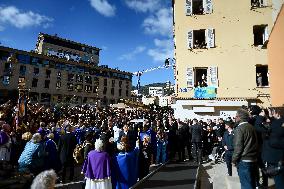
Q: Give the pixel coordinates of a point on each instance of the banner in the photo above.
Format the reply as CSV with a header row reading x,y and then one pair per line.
x,y
205,92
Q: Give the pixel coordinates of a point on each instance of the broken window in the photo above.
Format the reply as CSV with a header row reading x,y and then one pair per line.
x,y
200,77
262,76
197,7
260,33
258,3
201,39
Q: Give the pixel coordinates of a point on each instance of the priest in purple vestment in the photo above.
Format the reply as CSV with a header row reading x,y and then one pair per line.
x,y
97,168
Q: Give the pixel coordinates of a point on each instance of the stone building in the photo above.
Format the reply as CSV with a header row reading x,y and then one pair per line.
x,y
60,70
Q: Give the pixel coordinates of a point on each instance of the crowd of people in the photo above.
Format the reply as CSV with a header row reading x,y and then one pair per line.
x,y
117,146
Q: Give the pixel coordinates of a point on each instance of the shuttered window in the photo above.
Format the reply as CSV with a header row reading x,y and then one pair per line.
x,y
190,77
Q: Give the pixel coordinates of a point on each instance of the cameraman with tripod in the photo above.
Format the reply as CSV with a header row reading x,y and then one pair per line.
x,y
273,144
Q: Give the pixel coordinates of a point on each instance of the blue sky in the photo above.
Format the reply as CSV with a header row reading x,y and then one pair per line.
x,y
133,34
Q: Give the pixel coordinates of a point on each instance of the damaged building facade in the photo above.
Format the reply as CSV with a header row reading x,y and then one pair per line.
x,y
221,55
60,70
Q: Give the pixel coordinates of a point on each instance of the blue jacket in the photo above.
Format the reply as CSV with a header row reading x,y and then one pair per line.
x,y
31,158
228,140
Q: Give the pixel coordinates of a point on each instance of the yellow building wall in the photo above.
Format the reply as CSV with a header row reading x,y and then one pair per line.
x,y
276,60
234,53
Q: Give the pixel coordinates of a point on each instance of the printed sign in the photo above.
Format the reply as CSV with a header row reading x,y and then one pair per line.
x,y
205,92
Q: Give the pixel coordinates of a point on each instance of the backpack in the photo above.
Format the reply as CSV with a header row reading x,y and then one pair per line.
x,y
78,153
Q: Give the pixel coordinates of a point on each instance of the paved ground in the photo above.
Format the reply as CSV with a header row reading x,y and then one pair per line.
x,y
172,175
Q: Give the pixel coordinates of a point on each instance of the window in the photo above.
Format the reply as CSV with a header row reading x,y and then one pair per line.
x,y
120,84
21,80
198,7
202,77
119,92
59,75
96,80
105,90
6,80
7,67
112,83
127,94
48,72
201,39
258,3
260,33
79,78
95,90
112,91
34,82
45,97
262,76
22,70
88,79
79,87
58,84
46,84
105,82
88,88
71,77
70,86
36,71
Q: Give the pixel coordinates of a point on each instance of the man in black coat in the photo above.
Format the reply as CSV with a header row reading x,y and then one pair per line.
x,y
196,140
66,146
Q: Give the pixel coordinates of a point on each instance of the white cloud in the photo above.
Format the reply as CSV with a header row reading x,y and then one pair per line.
x,y
163,50
131,55
143,5
159,23
103,7
13,16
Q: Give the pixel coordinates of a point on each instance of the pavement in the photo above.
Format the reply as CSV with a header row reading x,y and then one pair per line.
x,y
214,176
171,176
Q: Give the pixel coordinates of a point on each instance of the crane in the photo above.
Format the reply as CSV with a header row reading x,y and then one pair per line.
x,y
168,63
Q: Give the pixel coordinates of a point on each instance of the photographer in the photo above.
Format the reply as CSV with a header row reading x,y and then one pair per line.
x,y
260,125
273,144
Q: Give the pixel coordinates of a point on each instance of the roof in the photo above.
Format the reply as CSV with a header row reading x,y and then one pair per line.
x,y
67,40
282,9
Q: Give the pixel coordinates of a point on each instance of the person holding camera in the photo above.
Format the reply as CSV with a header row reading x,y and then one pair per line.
x,y
273,145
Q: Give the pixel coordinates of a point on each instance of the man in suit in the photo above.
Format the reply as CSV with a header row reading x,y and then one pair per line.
x,y
196,140
66,146
131,135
